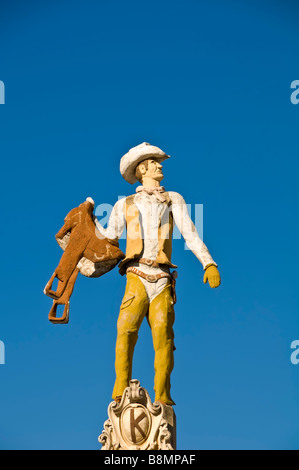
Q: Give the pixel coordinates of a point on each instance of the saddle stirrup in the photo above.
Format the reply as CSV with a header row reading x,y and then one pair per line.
x,y
64,300
53,312
60,288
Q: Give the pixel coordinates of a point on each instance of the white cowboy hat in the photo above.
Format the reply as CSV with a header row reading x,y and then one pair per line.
x,y
136,155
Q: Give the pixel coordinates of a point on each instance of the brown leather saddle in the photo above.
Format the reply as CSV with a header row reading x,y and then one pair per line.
x,y
86,251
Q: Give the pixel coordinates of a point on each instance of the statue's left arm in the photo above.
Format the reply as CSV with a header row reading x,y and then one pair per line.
x,y
193,241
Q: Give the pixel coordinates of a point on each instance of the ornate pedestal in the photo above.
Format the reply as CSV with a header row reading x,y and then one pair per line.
x,y
138,424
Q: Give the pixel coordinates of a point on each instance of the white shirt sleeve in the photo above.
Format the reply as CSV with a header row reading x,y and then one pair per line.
x,y
117,221
187,228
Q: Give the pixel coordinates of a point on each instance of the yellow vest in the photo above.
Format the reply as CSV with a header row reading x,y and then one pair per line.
x,y
134,235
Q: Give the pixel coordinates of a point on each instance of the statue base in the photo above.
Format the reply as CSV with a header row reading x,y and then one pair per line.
x,y
138,424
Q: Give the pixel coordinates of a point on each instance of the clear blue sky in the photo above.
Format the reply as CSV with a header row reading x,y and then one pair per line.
x,y
208,82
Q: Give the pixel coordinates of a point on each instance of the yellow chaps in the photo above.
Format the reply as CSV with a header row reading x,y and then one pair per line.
x,y
160,313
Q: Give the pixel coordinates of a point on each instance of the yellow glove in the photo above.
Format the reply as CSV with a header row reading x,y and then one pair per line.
x,y
212,275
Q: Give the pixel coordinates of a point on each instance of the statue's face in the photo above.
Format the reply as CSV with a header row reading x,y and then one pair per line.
x,y
153,170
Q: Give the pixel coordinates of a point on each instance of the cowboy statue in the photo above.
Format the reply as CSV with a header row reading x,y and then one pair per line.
x,y
149,216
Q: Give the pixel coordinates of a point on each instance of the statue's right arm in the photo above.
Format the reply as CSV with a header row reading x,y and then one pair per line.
x,y
117,221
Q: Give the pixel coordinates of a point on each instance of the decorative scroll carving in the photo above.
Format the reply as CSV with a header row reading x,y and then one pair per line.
x,y
138,424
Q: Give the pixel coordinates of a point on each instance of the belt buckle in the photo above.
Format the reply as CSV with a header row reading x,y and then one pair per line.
x,y
151,278
149,262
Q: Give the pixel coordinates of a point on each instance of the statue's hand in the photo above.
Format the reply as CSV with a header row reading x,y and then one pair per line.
x,y
212,275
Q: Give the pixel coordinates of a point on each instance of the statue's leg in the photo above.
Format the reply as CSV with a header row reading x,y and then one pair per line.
x,y
132,311
161,319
